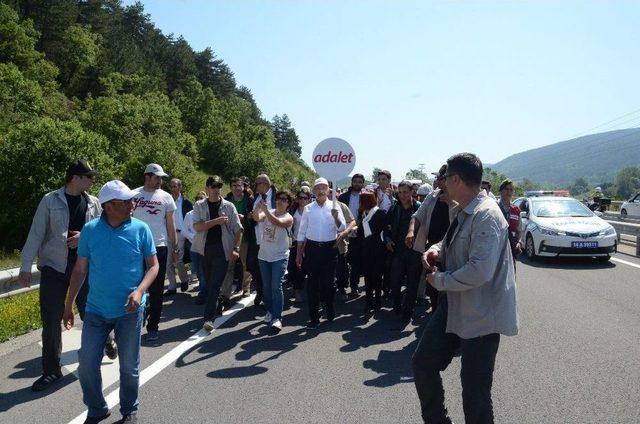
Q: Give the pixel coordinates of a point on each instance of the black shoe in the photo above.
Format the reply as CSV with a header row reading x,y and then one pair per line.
x,y
133,418
183,288
170,292
45,381
406,318
331,315
258,300
96,420
110,349
312,325
200,300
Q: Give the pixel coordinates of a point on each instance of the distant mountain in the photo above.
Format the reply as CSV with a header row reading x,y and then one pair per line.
x,y
595,157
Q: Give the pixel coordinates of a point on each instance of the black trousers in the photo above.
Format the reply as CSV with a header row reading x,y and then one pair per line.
x,y
296,275
215,269
354,259
434,353
320,262
253,267
54,286
405,266
342,272
156,289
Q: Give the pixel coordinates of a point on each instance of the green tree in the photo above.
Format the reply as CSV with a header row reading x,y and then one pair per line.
x,y
627,181
20,98
78,53
140,130
580,186
33,158
416,174
285,136
17,45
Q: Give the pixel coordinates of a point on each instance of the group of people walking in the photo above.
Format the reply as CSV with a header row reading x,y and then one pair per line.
x,y
453,244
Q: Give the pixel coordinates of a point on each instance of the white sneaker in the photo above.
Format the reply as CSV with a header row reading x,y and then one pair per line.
x,y
208,326
276,324
267,318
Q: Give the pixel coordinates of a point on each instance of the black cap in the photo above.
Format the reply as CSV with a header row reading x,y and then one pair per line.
x,y
82,168
213,181
441,172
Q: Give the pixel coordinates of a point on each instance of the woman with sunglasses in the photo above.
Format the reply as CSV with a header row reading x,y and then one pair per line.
x,y
297,275
274,253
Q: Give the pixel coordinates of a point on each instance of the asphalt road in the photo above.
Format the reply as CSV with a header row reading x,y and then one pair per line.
x,y
576,360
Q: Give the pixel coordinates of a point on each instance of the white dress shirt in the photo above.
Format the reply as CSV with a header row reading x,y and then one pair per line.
x,y
189,233
317,223
177,216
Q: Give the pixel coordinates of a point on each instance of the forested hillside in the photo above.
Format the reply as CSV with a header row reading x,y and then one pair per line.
x,y
96,80
595,158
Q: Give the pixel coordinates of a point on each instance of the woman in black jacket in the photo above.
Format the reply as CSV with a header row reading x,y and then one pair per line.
x,y
373,249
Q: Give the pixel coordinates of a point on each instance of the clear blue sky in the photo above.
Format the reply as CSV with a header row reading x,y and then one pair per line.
x,y
409,82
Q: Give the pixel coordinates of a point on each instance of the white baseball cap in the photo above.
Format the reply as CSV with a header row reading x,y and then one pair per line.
x,y
320,181
115,190
155,169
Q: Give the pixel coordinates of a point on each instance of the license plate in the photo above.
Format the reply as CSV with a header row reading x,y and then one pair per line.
x,y
584,244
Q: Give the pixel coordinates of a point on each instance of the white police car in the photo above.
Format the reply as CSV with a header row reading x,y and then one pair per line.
x,y
555,226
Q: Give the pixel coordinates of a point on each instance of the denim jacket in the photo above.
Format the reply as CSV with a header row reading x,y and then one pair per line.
x,y
201,214
48,234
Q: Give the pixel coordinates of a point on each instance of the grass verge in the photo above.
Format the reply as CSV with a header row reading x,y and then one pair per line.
x,y
19,314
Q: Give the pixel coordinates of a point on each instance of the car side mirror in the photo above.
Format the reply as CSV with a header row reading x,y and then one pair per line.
x,y
524,215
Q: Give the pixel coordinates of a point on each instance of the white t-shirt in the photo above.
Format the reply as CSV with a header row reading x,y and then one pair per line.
x,y
152,208
275,241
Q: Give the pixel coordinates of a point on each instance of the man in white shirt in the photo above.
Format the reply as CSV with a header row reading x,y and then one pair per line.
x,y
318,251
156,207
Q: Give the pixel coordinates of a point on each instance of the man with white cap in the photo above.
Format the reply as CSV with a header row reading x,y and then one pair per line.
x,y
156,207
115,249
317,236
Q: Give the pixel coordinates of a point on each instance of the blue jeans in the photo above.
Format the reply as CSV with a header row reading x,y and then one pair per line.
x,y
272,275
95,330
196,266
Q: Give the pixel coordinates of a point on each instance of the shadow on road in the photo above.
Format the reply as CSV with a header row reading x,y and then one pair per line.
x,y
357,330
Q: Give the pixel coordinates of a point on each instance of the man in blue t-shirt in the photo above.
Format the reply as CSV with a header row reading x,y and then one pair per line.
x,y
113,249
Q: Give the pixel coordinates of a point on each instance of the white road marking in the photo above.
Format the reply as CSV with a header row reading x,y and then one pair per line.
x,y
169,358
622,261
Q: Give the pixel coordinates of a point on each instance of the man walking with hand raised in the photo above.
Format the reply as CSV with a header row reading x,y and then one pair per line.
x,y
479,282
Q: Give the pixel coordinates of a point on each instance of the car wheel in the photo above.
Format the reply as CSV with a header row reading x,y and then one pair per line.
x,y
529,248
623,212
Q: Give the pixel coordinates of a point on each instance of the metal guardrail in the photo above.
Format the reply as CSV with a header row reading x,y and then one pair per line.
x,y
626,226
9,285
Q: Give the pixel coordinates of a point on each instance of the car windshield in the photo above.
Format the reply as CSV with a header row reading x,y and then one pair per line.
x,y
554,208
